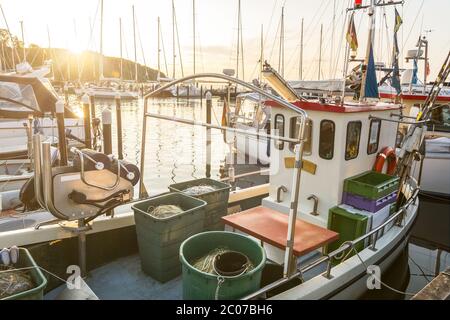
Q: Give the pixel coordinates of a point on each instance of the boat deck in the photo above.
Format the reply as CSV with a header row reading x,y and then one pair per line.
x,y
123,279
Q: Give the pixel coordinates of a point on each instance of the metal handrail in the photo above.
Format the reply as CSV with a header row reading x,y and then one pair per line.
x,y
345,246
214,126
243,175
288,265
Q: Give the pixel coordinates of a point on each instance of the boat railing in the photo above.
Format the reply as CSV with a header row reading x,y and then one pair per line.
x,y
394,220
299,143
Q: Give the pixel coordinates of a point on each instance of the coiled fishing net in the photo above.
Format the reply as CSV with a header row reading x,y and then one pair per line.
x,y
206,262
164,211
199,190
14,281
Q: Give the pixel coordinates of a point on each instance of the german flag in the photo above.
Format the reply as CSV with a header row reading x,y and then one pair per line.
x,y
398,21
351,34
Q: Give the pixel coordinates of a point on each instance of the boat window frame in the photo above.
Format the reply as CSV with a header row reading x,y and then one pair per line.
x,y
378,136
278,143
346,139
308,135
333,140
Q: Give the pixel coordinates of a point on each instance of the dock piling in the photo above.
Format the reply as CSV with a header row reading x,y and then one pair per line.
x,y
87,121
62,144
107,131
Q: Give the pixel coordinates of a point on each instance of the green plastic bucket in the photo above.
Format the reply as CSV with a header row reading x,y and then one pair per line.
x,y
159,239
199,285
217,201
40,282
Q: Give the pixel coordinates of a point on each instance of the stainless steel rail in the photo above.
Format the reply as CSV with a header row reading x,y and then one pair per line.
x,y
213,126
345,246
289,258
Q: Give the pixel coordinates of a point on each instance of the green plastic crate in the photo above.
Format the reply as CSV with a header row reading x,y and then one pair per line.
x,y
350,226
40,282
371,184
217,201
159,239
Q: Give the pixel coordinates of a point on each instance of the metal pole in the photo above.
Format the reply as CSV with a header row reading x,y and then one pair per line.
x,y
173,40
107,131
289,261
66,93
61,132
119,128
208,133
426,67
82,247
87,121
101,41
159,51
142,190
238,40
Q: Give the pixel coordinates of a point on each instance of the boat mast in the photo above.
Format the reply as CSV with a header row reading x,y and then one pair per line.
x,y
238,40
332,41
193,27
173,40
281,51
159,50
23,42
101,42
136,79
13,51
371,36
50,53
121,49
320,52
300,67
261,58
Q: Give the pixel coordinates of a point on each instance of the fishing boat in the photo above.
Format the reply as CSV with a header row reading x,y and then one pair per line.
x,y
323,152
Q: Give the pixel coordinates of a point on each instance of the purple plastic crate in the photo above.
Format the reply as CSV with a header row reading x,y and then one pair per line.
x,y
368,204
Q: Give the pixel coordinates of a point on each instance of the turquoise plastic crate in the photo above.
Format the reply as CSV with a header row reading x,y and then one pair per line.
x,y
371,184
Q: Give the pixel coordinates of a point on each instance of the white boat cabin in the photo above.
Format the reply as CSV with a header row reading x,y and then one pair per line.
x,y
341,142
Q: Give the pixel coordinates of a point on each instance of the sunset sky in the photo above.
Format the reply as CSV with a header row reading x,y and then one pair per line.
x,y
70,23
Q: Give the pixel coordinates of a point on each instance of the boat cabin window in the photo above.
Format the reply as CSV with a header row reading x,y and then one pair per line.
x,y
374,136
326,140
440,119
294,130
353,138
279,130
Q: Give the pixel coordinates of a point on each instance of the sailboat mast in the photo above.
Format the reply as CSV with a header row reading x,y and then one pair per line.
x,y
332,41
173,40
300,67
23,42
238,44
136,79
121,49
320,52
101,41
281,49
261,58
193,27
159,50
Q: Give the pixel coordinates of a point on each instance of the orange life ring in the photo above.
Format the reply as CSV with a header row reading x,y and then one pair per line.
x,y
388,154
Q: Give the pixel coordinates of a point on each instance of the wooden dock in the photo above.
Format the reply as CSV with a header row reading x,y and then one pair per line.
x,y
438,289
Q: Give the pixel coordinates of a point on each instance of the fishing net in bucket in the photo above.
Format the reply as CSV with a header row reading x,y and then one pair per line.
x,y
199,190
206,262
14,281
164,211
